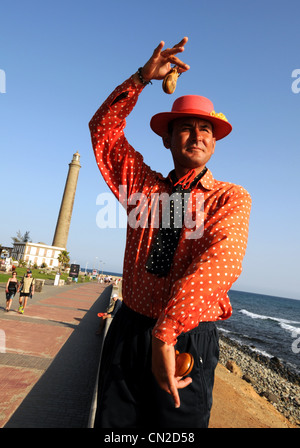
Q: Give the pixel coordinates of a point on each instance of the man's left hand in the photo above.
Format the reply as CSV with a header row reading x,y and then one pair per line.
x,y
163,368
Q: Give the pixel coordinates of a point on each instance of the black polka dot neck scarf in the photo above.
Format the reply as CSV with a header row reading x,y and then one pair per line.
x,y
163,248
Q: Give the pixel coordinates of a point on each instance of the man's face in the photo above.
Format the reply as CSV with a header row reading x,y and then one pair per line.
x,y
191,143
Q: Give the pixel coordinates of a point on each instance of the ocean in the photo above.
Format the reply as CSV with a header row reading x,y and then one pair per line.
x,y
266,324
113,274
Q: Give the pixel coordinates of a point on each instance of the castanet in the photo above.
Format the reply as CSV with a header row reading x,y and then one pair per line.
x,y
184,363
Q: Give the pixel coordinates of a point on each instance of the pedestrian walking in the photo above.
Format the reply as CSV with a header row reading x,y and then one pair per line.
x,y
26,290
12,287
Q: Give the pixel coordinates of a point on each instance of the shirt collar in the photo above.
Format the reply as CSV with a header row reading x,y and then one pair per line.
x,y
207,181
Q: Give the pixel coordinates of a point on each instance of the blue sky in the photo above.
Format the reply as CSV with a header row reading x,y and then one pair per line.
x,y
63,58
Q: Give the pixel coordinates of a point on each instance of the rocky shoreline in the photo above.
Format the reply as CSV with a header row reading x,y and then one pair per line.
x,y
268,376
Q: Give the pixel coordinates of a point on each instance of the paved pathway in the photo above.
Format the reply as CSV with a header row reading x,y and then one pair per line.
x,y
49,357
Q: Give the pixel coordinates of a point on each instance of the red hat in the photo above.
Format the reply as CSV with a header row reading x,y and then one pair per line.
x,y
195,106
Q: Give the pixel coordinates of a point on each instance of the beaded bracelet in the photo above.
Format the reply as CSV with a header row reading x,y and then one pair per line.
x,y
141,77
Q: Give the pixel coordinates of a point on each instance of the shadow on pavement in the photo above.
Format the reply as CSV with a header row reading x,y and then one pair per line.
x,y
63,395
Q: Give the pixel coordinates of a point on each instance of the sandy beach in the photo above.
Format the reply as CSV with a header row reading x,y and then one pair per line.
x,y
253,394
237,405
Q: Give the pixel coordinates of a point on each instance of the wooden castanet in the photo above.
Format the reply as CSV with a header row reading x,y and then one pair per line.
x,y
170,81
184,363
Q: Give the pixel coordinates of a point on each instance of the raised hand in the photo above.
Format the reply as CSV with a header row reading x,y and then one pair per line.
x,y
160,62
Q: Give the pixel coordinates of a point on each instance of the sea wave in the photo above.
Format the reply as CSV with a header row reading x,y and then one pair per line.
x,y
294,330
245,340
240,338
224,330
261,352
261,316
285,324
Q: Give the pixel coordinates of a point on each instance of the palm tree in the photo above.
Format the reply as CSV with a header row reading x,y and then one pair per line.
x,y
64,259
22,238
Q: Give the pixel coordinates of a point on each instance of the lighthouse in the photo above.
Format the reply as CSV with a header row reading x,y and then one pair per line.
x,y
65,213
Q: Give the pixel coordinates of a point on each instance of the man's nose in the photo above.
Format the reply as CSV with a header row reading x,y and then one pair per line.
x,y
196,134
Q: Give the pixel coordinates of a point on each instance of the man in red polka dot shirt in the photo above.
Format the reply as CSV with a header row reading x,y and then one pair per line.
x,y
186,239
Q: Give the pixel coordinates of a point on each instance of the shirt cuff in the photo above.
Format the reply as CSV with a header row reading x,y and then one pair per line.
x,y
167,330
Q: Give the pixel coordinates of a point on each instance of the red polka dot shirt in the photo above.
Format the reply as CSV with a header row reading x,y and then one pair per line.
x,y
204,267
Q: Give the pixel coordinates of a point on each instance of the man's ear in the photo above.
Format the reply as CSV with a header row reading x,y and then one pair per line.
x,y
166,141
214,145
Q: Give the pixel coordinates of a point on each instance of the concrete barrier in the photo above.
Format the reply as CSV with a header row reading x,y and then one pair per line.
x,y
95,395
69,280
39,283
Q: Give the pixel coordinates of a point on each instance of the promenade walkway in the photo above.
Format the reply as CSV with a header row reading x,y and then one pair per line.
x,y
49,356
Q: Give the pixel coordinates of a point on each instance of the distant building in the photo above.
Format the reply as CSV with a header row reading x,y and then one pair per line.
x,y
37,253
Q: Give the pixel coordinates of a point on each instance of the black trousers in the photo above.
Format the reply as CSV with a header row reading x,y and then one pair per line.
x,y
128,394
